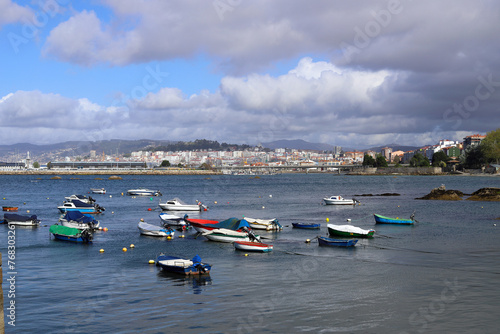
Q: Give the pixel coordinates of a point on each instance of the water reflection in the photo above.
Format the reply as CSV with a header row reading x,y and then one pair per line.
x,y
197,282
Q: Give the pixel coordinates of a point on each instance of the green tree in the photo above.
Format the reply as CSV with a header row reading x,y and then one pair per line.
x,y
439,157
473,157
491,146
49,165
380,161
36,164
205,166
165,163
419,160
368,160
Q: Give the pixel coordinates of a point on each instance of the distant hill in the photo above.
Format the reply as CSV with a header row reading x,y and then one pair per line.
x,y
395,147
300,144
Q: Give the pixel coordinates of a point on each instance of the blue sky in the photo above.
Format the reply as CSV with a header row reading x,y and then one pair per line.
x,y
354,74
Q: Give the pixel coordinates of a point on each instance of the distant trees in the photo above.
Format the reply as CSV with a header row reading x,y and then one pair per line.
x,y
49,165
205,166
418,160
490,146
36,164
368,160
378,162
165,163
439,159
473,157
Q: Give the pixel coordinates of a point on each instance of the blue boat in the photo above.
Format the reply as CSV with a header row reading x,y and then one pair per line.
x,y
71,234
309,226
323,241
77,205
379,219
181,266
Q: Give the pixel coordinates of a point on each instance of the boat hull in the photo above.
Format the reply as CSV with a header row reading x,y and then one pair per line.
x,y
387,220
82,210
307,226
264,224
252,246
10,208
221,237
70,234
336,242
25,223
154,231
338,200
143,192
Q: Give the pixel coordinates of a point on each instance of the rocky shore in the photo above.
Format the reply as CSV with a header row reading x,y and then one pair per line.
x,y
176,171
483,194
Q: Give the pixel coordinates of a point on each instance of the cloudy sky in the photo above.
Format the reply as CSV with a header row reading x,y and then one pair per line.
x,y
349,73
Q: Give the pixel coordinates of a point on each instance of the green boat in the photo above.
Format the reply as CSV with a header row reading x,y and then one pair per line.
x,y
71,234
349,231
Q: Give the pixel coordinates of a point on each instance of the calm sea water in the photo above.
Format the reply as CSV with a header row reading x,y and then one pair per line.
x,y
441,275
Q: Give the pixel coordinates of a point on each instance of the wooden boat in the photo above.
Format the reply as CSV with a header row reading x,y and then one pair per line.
x,y
143,192
225,235
76,205
309,226
168,219
154,231
76,219
181,266
250,246
339,200
323,241
10,208
98,190
379,219
21,220
264,224
349,231
177,205
71,234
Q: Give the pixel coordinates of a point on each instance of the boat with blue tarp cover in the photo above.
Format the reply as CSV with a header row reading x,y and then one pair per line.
x,y
77,205
71,234
153,230
21,220
78,220
181,266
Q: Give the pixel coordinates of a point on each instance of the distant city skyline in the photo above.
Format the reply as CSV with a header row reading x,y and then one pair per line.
x,y
353,74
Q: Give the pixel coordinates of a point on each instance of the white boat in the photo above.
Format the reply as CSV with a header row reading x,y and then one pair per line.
x,y
264,224
15,219
339,200
250,246
98,190
226,235
153,230
76,205
178,205
172,220
81,198
143,192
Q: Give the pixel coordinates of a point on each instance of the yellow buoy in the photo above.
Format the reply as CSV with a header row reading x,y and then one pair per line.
x,y
181,236
308,241
327,219
169,237
105,229
101,250
151,261
246,254
263,207
215,202
124,249
132,245
27,211
122,194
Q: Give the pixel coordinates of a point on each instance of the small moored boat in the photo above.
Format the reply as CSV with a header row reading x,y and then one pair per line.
x,y
177,205
379,219
250,246
181,266
172,220
78,220
76,205
71,234
225,235
339,200
264,224
10,208
143,192
349,231
98,190
308,226
81,198
21,220
323,241
154,231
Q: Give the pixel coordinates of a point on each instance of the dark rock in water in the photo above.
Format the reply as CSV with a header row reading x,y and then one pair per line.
x,y
442,194
55,178
389,194
364,195
114,177
486,194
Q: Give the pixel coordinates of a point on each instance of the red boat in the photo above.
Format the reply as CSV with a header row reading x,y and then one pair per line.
x,y
10,208
206,225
